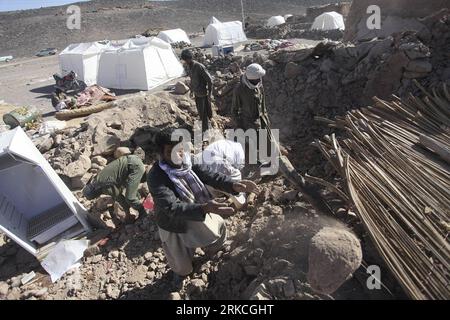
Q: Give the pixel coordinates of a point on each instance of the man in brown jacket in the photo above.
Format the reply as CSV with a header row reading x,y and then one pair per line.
x,y
201,87
249,104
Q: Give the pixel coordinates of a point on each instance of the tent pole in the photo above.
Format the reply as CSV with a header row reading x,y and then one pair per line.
x,y
243,16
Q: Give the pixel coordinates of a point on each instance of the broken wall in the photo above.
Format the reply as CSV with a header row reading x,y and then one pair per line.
x,y
396,15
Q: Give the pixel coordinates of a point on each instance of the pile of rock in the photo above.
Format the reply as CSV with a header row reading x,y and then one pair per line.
x,y
291,31
267,257
180,45
78,154
333,77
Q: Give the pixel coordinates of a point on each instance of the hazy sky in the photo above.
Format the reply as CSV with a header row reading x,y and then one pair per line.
x,y
9,5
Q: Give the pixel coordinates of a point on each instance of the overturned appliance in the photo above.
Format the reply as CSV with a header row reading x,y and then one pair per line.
x,y
36,208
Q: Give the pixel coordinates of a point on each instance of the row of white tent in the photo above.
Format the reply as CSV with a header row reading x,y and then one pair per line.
x,y
223,33
217,33
326,21
142,63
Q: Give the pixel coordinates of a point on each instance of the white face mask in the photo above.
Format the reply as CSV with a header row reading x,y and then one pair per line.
x,y
187,159
251,85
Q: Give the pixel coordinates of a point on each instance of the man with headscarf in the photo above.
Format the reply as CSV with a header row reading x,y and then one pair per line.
x,y
186,215
200,86
249,106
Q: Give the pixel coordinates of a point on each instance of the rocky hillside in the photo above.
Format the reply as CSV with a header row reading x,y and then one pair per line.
x,y
22,33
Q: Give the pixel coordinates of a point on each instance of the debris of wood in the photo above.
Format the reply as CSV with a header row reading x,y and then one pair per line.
x,y
400,190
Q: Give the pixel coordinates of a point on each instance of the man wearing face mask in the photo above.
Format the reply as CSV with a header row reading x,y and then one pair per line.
x,y
249,106
186,215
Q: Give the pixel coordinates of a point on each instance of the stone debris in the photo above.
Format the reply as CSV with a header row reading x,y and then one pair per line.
x,y
272,241
334,255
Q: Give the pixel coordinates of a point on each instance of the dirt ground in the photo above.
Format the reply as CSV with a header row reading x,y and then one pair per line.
x,y
29,81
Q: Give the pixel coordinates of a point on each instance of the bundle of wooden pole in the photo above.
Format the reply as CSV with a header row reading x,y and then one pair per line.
x,y
394,161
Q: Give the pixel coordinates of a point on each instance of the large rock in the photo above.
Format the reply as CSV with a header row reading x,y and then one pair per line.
x,y
137,275
334,254
106,145
3,289
419,66
79,182
181,88
292,70
78,168
44,143
99,160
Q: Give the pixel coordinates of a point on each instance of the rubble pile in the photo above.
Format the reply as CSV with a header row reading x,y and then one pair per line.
x,y
226,72
268,257
180,45
78,153
276,245
292,30
333,77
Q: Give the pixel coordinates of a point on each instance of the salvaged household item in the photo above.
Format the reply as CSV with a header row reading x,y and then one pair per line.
x,y
85,111
221,50
36,208
20,117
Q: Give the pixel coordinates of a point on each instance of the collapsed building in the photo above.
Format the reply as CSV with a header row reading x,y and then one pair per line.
x,y
276,244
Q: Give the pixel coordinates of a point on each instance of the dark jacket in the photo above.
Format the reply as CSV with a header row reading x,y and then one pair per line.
x,y
171,212
201,81
248,106
124,173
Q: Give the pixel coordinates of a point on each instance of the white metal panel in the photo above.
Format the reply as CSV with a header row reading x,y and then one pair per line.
x,y
30,187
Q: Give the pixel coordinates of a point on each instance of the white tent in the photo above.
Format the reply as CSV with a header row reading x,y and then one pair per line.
x,y
174,35
83,59
36,207
214,20
140,64
275,21
329,21
226,33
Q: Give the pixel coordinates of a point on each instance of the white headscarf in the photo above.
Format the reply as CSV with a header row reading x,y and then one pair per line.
x,y
253,72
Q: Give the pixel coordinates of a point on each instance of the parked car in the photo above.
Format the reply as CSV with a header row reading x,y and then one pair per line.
x,y
6,58
47,52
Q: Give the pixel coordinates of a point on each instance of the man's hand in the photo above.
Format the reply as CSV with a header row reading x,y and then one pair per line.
x,y
245,186
218,208
210,97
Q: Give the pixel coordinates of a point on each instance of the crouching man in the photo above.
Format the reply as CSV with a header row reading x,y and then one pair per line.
x,y
122,174
186,215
